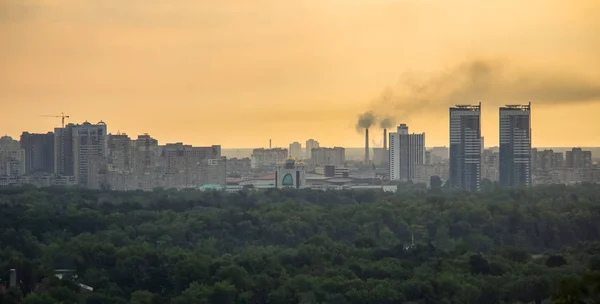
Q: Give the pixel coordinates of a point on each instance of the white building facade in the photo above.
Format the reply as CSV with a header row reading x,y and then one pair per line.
x,y
296,150
406,152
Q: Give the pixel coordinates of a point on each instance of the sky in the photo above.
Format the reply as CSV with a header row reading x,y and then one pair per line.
x,y
238,73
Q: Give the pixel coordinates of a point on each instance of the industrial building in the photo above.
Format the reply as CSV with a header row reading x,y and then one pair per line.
x,y
381,156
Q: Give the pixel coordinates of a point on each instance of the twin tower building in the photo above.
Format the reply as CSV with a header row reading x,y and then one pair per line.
x,y
466,147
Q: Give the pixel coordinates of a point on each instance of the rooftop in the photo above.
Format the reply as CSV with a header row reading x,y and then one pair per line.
x,y
476,107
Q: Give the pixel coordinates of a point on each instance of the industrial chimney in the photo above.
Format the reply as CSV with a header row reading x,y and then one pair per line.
x,y
367,145
384,139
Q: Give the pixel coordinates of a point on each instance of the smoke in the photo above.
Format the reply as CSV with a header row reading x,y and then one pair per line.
x,y
493,82
365,120
386,123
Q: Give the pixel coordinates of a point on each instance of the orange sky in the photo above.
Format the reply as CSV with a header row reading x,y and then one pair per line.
x,y
238,72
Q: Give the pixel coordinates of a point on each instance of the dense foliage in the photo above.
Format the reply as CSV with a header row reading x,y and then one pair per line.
x,y
413,246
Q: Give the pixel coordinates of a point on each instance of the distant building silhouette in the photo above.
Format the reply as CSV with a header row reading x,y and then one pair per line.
x,y
328,156
12,157
267,158
296,150
39,152
310,145
80,151
579,159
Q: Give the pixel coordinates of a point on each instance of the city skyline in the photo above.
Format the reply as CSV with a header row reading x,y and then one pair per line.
x,y
197,71
374,143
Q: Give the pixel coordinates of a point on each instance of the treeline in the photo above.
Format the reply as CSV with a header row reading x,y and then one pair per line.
x,y
413,246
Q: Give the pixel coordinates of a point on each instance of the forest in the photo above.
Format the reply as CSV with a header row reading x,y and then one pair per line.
x,y
430,246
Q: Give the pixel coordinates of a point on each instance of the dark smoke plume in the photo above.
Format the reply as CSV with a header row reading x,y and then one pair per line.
x,y
386,123
365,120
493,82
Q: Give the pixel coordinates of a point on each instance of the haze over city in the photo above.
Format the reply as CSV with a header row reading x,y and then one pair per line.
x,y
241,73
299,151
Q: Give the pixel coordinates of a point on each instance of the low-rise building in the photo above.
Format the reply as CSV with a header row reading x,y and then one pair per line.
x,y
268,158
335,156
332,171
239,166
290,174
423,173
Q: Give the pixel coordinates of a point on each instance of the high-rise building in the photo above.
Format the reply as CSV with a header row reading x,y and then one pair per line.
x,y
328,156
63,150
490,165
407,151
558,160
146,152
535,159
12,157
578,158
465,147
515,146
186,166
39,152
120,152
310,145
296,150
90,150
119,175
439,154
546,159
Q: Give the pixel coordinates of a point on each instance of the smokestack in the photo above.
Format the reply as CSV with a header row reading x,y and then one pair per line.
x,y
269,144
384,139
13,278
367,145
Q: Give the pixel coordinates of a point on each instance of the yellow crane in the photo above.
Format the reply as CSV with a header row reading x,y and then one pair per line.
x,y
62,116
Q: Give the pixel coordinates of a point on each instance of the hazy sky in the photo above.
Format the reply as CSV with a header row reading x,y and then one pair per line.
x,y
237,73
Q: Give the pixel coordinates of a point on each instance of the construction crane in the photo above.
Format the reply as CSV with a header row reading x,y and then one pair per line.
x,y
62,116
